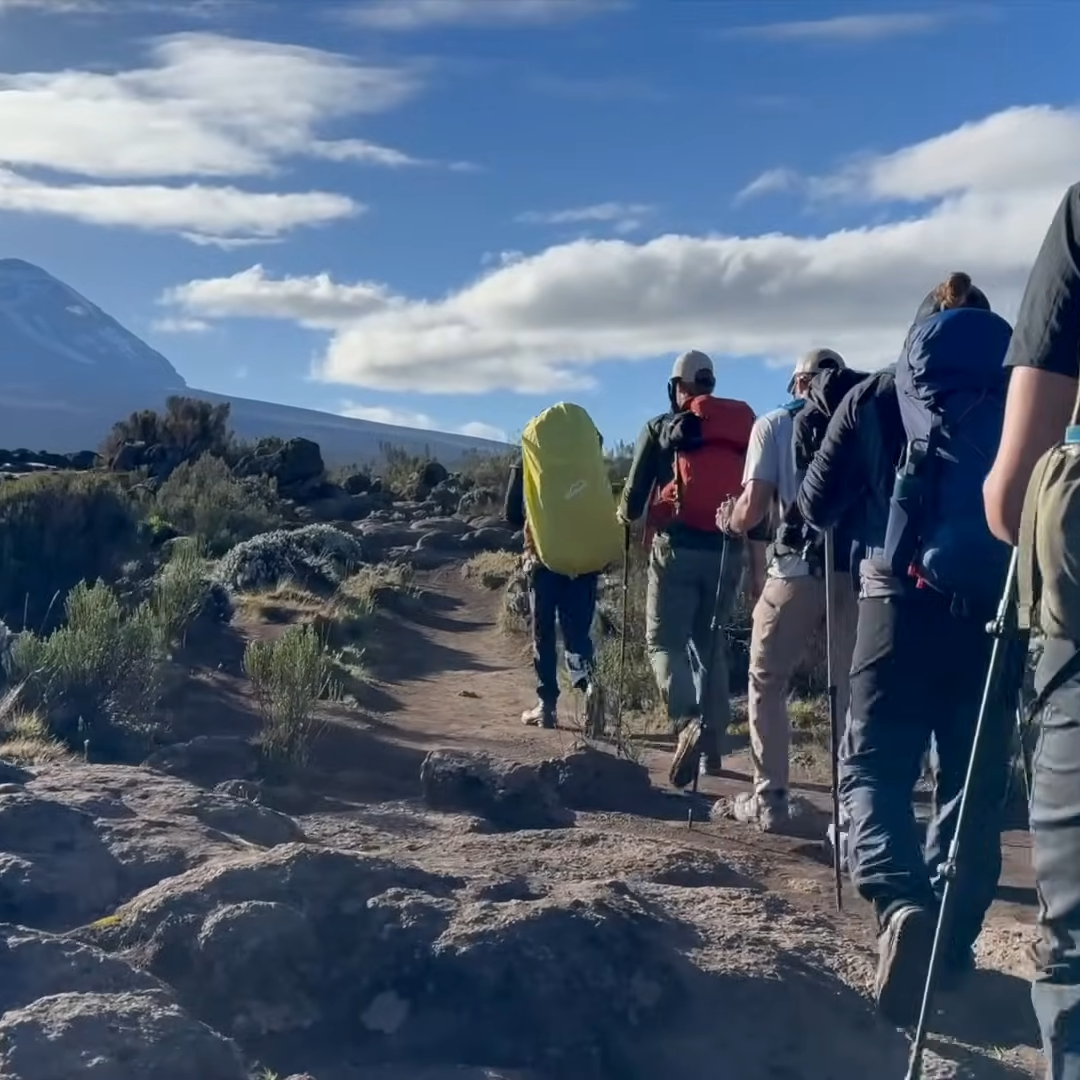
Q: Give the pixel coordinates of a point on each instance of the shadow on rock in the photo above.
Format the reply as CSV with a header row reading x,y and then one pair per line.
x,y
799,1024
989,1003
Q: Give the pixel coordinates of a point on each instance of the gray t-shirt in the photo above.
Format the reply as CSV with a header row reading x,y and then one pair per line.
x,y
770,458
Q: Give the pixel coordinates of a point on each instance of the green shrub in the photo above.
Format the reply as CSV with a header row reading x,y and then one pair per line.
x,y
179,592
314,556
399,466
96,677
203,499
56,530
187,429
289,677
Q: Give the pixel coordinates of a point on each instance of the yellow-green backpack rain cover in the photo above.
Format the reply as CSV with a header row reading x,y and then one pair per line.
x,y
569,505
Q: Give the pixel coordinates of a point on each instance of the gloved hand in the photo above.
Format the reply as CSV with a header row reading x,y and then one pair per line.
x,y
624,521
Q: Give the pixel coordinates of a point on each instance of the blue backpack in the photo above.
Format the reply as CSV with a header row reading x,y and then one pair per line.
x,y
950,385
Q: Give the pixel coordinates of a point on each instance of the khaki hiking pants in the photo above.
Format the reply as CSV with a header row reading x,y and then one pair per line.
x,y
789,613
678,614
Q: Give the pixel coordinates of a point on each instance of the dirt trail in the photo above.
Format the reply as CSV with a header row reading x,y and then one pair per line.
x,y
451,677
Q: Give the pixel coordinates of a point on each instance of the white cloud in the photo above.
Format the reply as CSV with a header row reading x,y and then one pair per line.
x,y
623,217
180,326
847,28
769,182
405,15
190,8
979,198
208,214
382,414
315,301
208,106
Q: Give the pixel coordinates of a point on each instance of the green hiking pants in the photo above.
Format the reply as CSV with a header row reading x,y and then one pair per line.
x,y
678,614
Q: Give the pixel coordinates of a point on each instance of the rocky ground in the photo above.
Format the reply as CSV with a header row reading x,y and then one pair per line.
x,y
446,895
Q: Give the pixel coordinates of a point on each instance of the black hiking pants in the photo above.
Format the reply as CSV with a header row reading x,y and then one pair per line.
x,y
1055,831
918,673
568,603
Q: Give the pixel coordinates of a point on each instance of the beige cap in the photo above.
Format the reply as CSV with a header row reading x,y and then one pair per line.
x,y
689,367
814,361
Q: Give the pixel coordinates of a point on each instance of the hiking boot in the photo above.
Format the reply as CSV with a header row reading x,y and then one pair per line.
x,y
540,715
768,811
595,718
685,761
904,948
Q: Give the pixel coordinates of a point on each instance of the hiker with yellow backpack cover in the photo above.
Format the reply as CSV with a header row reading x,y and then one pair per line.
x,y
560,494
1032,499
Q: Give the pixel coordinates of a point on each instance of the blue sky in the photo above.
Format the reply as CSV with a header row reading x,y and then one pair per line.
x,y
491,206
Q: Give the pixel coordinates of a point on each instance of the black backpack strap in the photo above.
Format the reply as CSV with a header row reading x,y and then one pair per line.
x,y
1064,673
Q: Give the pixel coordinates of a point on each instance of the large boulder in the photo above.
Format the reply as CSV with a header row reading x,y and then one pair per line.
x,y
330,947
591,779
297,466
67,1009
127,1036
273,942
78,840
505,794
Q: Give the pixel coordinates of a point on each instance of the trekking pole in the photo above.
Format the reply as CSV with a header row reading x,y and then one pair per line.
x,y
619,746
834,722
1002,628
710,666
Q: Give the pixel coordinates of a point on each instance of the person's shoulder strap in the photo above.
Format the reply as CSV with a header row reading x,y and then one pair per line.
x,y
1028,572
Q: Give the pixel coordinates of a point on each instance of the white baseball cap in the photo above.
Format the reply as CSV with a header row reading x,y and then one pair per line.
x,y
693,366
814,361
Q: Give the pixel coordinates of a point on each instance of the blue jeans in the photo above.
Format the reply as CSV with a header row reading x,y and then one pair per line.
x,y
556,600
1055,832
917,674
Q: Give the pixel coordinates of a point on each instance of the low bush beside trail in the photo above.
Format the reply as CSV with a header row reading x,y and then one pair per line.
x,y
97,679
314,555
289,678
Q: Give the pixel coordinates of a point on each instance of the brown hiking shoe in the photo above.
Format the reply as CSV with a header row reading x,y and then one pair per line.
x,y
685,762
904,948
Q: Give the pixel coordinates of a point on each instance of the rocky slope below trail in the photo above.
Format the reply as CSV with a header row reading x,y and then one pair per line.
x,y
159,931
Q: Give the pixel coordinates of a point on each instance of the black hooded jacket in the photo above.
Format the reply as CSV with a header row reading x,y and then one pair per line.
x,y
811,422
823,398
850,480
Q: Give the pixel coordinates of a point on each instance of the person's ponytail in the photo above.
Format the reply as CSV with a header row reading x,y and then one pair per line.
x,y
954,291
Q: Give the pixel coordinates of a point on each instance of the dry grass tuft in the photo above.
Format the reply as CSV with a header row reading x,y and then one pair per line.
x,y
491,569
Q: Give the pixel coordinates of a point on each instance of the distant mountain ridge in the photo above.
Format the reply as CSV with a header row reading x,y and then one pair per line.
x,y
69,371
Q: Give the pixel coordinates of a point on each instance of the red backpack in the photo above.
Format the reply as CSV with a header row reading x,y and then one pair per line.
x,y
710,438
